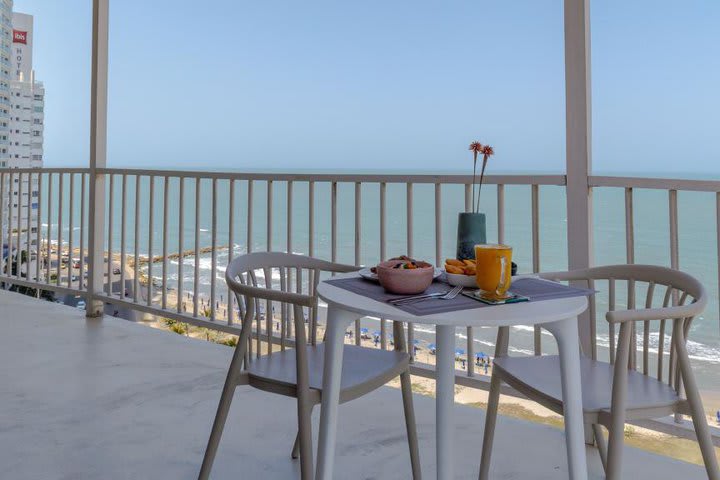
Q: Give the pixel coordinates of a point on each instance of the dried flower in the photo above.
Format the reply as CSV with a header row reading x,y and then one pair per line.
x,y
487,151
476,147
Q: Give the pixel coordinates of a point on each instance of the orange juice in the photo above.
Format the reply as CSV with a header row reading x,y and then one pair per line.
x,y
493,269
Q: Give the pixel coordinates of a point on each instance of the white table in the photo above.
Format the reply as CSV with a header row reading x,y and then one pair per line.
x,y
559,317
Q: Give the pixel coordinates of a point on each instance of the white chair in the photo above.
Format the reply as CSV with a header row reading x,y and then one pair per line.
x,y
619,390
297,372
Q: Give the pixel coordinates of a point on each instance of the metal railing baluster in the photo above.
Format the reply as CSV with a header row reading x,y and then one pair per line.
x,y
83,182
166,194
111,197
49,223
151,237
717,238
674,264
6,260
249,246
196,279
28,228
230,304
38,224
269,214
180,302
410,248
286,310
311,219
123,235
535,220
136,266
358,235
470,347
213,253
18,229
333,221
383,252
501,213
630,258
60,229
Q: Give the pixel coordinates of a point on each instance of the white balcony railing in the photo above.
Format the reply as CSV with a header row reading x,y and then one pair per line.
x,y
168,234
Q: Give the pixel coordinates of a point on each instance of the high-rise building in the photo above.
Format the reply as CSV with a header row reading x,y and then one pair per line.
x,y
25,125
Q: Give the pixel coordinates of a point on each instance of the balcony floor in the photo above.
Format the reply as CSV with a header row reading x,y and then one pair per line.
x,y
115,400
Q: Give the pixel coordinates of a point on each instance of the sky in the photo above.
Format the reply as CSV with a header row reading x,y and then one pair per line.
x,y
376,85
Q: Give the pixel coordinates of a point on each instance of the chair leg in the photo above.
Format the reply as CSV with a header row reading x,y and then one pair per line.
x,y
613,468
406,385
490,421
601,444
222,413
296,446
696,409
305,439
501,346
295,454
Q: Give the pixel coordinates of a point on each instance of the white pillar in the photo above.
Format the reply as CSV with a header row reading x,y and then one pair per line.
x,y
578,144
98,155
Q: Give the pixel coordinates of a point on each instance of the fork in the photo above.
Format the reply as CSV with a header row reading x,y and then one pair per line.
x,y
449,295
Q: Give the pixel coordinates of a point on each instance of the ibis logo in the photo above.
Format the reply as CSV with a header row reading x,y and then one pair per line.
x,y
19,36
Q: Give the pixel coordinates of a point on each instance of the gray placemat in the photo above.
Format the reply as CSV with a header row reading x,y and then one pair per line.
x,y
535,289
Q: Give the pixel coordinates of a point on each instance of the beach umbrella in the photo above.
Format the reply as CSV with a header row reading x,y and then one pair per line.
x,y
480,355
416,342
376,333
431,347
364,330
459,352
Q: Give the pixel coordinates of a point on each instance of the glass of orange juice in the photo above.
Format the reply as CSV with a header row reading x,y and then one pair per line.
x,y
493,270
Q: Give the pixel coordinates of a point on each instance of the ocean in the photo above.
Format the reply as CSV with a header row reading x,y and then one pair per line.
x,y
697,238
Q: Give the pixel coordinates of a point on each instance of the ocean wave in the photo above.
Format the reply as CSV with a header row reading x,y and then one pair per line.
x,y
527,328
696,350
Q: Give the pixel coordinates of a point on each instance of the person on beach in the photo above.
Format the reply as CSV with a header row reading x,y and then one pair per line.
x,y
486,368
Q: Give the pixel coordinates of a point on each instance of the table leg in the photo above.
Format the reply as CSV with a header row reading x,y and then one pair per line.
x,y
444,400
337,322
566,335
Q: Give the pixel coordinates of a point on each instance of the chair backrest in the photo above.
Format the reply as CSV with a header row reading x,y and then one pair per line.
x,y
263,281
665,295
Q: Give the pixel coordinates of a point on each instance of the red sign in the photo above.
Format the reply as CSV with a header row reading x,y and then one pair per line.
x,y
19,37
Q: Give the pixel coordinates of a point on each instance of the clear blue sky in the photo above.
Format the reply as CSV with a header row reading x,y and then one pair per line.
x,y
402,85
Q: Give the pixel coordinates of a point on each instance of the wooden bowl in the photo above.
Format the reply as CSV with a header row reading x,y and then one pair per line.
x,y
402,281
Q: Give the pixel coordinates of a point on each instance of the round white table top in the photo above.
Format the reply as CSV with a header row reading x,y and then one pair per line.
x,y
524,313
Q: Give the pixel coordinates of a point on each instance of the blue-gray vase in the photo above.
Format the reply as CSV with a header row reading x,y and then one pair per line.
x,y
470,232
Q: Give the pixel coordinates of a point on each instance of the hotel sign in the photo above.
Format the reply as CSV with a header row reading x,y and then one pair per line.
x,y
19,37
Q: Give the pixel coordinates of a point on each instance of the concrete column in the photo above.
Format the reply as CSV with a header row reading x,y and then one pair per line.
x,y
98,155
578,144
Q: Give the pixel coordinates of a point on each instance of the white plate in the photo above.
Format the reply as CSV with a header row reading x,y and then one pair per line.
x,y
368,275
455,279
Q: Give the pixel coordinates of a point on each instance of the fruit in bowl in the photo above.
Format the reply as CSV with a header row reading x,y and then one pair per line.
x,y
460,272
405,276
